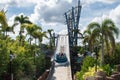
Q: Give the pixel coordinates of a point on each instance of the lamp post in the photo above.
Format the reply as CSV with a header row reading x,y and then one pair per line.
x,y
11,58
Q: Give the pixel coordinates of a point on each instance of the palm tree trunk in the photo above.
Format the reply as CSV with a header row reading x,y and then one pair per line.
x,y
102,54
20,34
30,40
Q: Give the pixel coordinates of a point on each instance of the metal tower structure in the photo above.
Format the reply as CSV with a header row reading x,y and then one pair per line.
x,y
72,19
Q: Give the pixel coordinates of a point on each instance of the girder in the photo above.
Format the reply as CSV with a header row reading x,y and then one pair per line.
x,y
72,19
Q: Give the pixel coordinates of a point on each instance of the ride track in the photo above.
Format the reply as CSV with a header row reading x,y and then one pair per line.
x,y
62,71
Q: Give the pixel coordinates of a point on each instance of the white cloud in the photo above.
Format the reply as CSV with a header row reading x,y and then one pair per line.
x,y
114,14
87,2
24,3
50,11
108,1
50,14
100,19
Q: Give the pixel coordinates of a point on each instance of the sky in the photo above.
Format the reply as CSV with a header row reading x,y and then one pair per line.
x,y
49,14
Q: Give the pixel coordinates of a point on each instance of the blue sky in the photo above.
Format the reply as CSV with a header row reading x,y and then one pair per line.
x,y
49,13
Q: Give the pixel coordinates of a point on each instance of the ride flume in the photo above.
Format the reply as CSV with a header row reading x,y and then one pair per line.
x,y
61,58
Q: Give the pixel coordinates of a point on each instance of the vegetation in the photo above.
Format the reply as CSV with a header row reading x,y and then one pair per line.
x,y
28,59
101,36
87,62
89,68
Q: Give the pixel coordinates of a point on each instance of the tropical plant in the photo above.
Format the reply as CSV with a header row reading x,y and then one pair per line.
x,y
3,21
103,34
40,36
51,37
31,29
114,58
87,62
22,20
77,34
87,34
23,62
91,72
10,29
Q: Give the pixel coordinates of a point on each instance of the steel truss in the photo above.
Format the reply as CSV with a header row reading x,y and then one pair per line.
x,y
72,19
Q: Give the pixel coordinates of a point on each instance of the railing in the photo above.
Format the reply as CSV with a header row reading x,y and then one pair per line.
x,y
70,74
51,71
52,66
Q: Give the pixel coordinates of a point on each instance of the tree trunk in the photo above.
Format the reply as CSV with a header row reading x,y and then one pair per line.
x,y
102,54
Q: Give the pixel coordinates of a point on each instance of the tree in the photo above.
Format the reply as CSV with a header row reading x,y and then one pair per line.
x,y
51,37
22,20
87,34
103,34
31,30
79,35
10,28
41,35
3,21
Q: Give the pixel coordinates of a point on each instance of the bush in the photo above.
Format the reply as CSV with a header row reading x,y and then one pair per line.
x,y
40,65
79,75
87,62
113,59
108,69
91,72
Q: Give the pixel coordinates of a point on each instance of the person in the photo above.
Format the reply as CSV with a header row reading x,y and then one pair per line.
x,y
61,54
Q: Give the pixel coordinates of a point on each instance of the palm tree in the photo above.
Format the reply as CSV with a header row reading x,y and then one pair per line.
x,y
87,34
10,28
41,35
22,20
51,37
3,21
80,35
103,33
31,29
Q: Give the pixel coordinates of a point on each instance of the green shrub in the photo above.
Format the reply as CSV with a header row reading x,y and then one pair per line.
x,y
28,67
87,62
79,75
108,69
91,72
40,65
113,59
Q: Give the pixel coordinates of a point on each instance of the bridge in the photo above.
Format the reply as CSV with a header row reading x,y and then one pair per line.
x,y
60,71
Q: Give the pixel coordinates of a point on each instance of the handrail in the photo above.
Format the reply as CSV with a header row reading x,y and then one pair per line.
x,y
53,64
51,71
